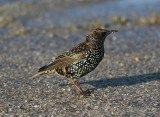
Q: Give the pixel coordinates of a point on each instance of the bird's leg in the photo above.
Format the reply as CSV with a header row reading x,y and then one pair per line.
x,y
76,84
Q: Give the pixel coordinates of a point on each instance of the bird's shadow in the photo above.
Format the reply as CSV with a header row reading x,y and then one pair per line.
x,y
121,81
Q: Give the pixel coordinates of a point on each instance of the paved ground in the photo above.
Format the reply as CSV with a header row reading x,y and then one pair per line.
x,y
126,83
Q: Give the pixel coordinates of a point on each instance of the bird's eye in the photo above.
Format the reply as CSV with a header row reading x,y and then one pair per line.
x,y
103,33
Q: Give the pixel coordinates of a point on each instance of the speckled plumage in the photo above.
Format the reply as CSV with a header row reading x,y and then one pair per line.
x,y
81,59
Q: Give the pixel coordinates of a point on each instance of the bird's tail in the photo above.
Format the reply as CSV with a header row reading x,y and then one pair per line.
x,y
39,73
45,69
50,67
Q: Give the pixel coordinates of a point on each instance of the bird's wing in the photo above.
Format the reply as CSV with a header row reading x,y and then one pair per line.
x,y
60,62
76,54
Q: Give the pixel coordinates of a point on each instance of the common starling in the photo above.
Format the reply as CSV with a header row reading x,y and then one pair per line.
x,y
81,59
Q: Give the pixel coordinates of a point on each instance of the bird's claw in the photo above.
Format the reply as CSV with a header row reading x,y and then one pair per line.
x,y
84,93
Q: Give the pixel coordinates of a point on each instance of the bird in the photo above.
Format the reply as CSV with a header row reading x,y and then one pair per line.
x,y
81,59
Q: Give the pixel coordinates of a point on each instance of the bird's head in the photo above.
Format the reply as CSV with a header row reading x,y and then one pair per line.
x,y
99,35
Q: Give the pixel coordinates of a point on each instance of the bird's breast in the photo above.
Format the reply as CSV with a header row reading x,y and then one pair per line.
x,y
95,56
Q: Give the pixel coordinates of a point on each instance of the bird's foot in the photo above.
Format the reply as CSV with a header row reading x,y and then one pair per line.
x,y
84,93
87,93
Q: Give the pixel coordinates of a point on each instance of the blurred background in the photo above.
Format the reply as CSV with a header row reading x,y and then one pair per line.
x,y
33,32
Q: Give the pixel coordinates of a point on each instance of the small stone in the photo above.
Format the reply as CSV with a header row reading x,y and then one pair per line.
x,y
135,58
51,35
